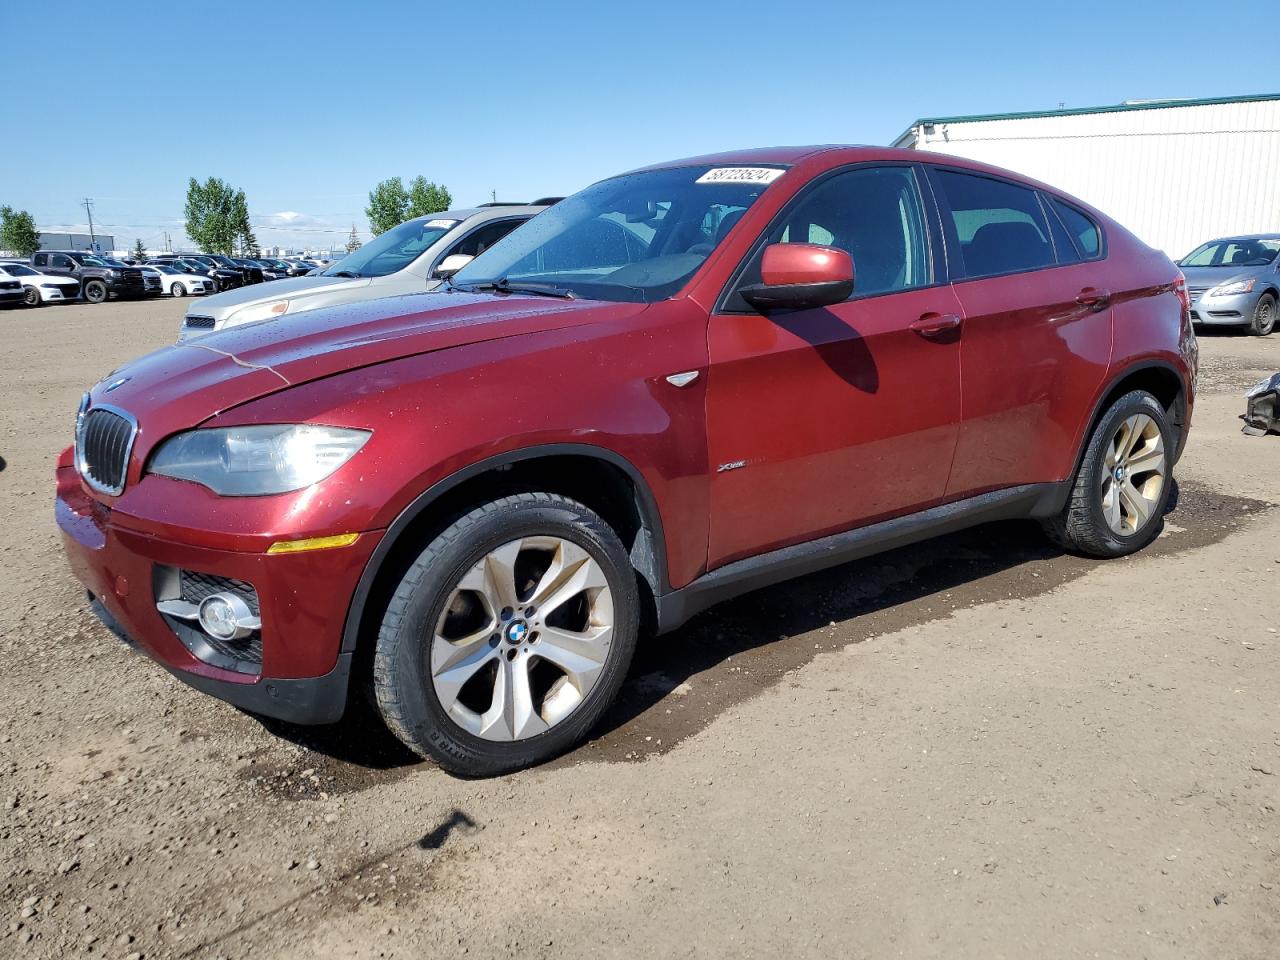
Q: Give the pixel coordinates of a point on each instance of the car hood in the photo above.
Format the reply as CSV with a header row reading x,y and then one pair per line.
x,y
222,305
180,386
1212,276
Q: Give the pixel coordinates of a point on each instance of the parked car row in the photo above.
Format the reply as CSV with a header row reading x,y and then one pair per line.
x,y
54,276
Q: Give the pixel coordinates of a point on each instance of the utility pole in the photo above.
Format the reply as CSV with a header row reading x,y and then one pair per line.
x,y
93,240
493,195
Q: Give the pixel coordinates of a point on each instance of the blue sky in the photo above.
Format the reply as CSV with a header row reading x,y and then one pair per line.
x,y
307,104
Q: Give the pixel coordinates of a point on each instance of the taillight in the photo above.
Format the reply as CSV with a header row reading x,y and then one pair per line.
x,y
1180,288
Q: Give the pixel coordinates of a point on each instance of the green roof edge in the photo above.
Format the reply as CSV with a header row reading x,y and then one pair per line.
x,y
1078,111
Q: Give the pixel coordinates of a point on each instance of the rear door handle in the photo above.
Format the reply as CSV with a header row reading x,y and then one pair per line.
x,y
933,325
1093,297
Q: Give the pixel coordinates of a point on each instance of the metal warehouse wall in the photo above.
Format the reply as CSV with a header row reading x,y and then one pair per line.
x,y
1174,175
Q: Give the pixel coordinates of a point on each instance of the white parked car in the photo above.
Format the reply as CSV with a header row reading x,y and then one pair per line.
x,y
415,257
40,288
180,283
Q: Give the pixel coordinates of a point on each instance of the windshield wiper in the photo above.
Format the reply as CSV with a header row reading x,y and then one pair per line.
x,y
343,273
506,286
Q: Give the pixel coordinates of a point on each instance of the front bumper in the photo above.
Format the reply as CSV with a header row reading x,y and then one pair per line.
x,y
1224,311
304,597
58,294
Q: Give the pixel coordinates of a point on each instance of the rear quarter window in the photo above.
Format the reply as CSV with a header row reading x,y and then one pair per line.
x,y
1086,234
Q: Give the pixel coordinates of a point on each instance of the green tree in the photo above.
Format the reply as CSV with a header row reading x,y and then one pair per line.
x,y
139,251
18,233
426,197
213,215
245,238
388,205
353,241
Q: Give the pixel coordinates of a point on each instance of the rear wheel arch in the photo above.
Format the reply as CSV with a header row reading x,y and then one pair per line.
x,y
1159,378
597,477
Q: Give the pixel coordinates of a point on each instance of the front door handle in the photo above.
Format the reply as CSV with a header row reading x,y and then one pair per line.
x,y
1095,297
935,325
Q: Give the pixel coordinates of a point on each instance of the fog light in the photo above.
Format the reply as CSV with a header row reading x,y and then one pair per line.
x,y
225,616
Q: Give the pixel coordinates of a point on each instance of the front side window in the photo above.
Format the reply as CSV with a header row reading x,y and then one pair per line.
x,y
1233,253
1000,225
478,241
874,214
635,238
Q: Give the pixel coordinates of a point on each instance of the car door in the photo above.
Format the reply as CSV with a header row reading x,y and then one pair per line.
x,y
825,419
62,265
1037,331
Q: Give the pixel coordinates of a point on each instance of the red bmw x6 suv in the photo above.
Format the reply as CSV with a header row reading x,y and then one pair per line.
x,y
681,384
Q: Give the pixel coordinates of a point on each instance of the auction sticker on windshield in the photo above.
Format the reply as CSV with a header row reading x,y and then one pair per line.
x,y
741,175
440,224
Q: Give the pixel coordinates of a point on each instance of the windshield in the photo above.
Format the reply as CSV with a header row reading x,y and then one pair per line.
x,y
89,261
1232,253
635,238
392,251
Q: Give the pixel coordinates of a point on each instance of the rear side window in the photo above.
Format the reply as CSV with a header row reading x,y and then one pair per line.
x,y
1085,233
40,259
1000,225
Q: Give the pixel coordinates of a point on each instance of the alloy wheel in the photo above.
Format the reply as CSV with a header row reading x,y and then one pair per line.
x,y
523,638
1135,469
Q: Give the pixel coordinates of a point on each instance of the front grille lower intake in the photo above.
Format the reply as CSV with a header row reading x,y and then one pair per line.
x,y
104,439
178,596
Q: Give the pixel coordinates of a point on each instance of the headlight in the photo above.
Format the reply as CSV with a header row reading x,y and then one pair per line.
x,y
1232,289
259,311
257,460
113,274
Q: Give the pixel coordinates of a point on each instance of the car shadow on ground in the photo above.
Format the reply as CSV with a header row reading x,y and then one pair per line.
x,y
766,630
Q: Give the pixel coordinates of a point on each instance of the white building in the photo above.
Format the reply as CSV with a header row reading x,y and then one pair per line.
x,y
1175,172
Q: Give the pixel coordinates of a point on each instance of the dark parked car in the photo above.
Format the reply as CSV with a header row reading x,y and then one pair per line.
x,y
253,269
679,385
151,284
1235,282
99,280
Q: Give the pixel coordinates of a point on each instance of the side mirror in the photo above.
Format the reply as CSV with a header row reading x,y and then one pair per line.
x,y
451,265
801,276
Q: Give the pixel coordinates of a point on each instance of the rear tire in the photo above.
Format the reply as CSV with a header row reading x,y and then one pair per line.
x,y
32,297
95,291
1264,316
1122,487
178,290
509,636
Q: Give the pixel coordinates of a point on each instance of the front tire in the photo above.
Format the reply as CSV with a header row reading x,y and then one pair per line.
x,y
509,636
95,291
178,290
32,297
1264,316
1123,485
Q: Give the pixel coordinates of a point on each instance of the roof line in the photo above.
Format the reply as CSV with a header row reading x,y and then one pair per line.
x,y
1077,111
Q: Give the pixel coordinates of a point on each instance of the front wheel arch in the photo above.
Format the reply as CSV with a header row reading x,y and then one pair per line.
x,y
515,470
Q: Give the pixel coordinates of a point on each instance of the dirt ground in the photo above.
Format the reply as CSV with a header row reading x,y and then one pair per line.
x,y
977,747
